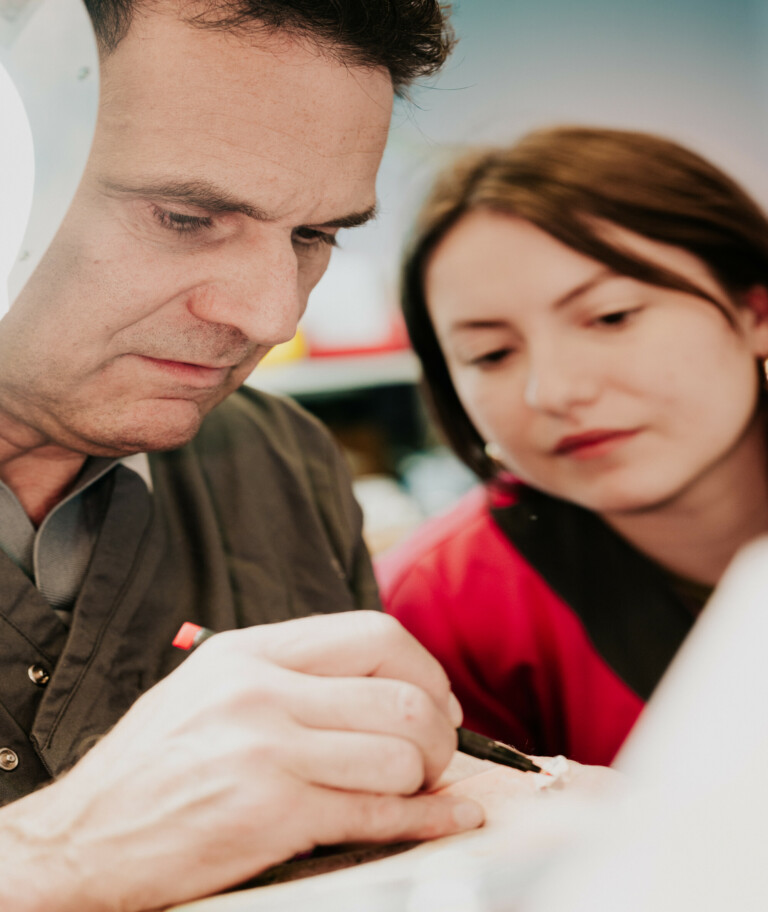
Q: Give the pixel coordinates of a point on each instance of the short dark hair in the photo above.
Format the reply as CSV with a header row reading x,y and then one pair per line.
x,y
410,38
570,181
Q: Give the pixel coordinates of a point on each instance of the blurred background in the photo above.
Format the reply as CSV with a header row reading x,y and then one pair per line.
x,y
693,70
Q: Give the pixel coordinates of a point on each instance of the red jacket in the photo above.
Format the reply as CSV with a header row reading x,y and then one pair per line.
x,y
552,629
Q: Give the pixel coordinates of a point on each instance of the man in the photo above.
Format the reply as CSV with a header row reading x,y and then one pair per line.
x,y
234,141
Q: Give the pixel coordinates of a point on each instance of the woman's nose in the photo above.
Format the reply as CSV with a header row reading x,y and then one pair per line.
x,y
558,379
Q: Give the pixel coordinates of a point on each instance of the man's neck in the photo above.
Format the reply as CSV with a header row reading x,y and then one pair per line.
x,y
40,477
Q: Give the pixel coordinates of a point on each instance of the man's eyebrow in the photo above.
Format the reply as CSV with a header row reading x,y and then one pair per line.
x,y
192,193
353,220
208,197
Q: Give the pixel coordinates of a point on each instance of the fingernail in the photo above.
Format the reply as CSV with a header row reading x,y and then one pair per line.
x,y
468,814
455,710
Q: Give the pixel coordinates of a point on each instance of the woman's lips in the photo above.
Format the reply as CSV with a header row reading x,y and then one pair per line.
x,y
592,443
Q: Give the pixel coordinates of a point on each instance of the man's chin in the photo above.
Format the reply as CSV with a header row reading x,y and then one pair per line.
x,y
166,425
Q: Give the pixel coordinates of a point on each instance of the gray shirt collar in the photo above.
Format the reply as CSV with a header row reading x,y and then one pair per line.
x,y
56,555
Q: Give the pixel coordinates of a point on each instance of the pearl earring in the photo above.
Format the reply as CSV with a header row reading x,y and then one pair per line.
x,y
493,451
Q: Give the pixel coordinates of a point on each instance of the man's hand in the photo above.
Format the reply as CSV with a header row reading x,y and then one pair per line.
x,y
264,743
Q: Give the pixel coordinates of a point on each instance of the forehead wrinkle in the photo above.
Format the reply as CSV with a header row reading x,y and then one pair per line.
x,y
305,160
299,138
216,132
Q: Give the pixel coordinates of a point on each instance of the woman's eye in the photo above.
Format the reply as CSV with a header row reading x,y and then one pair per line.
x,y
311,237
177,221
615,318
493,357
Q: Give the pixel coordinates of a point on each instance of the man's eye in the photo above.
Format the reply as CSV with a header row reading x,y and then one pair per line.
x,y
310,237
177,221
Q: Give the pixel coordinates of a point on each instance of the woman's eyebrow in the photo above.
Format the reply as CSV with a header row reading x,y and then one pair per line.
x,y
604,275
463,325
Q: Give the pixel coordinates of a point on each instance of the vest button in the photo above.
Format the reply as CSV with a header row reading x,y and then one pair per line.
x,y
8,759
38,675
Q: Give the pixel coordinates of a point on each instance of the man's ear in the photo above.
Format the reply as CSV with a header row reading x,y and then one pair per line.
x,y
755,318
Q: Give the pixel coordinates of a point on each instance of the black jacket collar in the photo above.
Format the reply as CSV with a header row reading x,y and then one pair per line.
x,y
631,613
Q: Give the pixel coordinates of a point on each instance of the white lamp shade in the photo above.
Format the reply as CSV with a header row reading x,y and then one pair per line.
x,y
48,52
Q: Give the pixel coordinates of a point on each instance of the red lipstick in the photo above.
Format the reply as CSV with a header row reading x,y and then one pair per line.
x,y
591,443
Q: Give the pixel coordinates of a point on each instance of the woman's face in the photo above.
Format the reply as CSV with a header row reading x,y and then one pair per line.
x,y
597,388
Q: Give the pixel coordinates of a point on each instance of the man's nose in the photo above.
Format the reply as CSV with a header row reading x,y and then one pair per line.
x,y
559,378
256,293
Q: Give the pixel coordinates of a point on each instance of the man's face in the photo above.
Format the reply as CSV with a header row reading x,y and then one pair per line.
x,y
221,169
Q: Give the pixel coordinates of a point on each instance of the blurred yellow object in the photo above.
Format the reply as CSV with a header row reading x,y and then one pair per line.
x,y
292,350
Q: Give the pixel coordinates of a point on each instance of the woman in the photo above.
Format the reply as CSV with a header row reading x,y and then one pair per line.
x,y
591,313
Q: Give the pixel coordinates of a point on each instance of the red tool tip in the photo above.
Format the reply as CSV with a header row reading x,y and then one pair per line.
x,y
185,638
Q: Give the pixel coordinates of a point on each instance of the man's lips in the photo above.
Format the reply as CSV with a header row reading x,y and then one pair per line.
x,y
191,373
179,361
594,442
